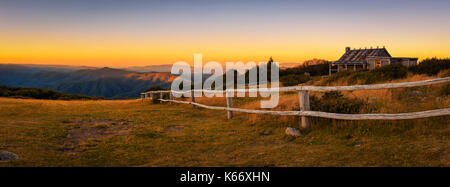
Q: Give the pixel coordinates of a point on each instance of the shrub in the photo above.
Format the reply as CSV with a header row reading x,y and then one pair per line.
x,y
335,102
431,66
293,79
339,75
313,70
38,93
385,73
154,88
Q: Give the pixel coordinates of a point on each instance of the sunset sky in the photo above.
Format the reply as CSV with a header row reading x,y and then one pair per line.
x,y
142,32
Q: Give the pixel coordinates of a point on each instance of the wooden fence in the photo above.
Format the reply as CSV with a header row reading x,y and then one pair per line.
x,y
305,112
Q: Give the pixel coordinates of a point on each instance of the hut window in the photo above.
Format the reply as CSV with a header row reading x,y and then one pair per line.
x,y
378,62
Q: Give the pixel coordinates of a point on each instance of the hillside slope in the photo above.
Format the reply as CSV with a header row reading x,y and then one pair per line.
x,y
107,82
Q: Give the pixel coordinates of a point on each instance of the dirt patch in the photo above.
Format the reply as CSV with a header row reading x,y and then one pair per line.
x,y
174,128
89,131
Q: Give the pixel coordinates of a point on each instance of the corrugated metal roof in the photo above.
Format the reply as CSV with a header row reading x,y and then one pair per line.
x,y
360,55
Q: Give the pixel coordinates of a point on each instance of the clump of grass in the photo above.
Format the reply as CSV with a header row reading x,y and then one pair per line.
x,y
335,102
444,73
445,90
101,125
337,76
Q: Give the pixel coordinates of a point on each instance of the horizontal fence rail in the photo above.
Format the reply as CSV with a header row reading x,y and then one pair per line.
x,y
304,111
323,88
412,115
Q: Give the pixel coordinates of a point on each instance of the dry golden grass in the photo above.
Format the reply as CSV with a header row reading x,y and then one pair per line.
x,y
135,133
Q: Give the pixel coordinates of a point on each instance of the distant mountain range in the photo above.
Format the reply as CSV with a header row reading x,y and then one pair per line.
x,y
153,68
92,81
107,82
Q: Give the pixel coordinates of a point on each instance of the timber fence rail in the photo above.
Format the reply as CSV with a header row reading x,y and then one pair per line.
x,y
304,101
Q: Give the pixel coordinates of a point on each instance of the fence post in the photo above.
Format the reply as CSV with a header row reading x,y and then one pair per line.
x,y
303,96
142,97
229,105
193,98
329,69
161,96
151,96
170,97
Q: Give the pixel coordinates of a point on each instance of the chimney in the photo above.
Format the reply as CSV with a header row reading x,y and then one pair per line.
x,y
347,49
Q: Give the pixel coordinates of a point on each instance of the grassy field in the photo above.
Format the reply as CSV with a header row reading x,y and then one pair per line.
x,y
135,133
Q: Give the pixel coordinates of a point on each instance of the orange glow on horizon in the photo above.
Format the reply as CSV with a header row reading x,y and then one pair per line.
x,y
122,33
122,54
123,49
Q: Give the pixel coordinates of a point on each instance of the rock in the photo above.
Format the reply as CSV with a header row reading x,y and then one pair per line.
x,y
8,156
415,93
292,131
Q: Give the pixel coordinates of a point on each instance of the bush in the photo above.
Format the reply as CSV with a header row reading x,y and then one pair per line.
x,y
294,79
38,93
339,75
431,66
313,70
335,102
154,88
385,73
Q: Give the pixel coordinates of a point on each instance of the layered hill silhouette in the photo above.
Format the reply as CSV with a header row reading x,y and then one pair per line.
x,y
107,82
